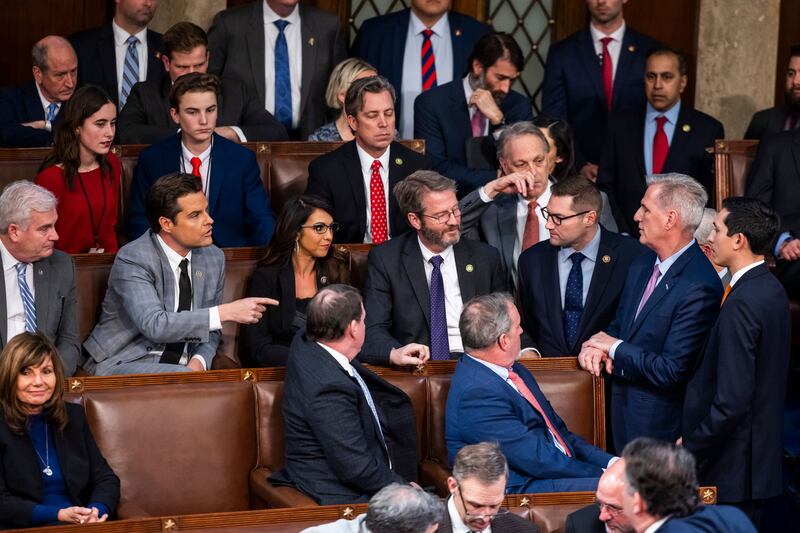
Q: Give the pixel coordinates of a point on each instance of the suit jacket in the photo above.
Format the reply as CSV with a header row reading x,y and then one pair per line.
x,y
661,346
328,174
775,175
87,476
237,200
145,119
97,63
482,407
710,518
56,307
540,292
622,166
137,315
441,117
572,87
733,412
396,295
236,44
767,122
334,451
585,520
19,105
508,523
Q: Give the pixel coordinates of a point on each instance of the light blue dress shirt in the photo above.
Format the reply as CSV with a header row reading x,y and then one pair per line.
x,y
650,128
587,266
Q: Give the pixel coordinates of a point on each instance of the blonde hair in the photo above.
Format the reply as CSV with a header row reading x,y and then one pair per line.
x,y
342,76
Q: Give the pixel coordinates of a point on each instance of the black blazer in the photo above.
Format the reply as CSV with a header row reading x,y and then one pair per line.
x,y
97,63
622,165
767,122
774,178
585,520
86,473
733,410
337,178
18,105
540,292
145,119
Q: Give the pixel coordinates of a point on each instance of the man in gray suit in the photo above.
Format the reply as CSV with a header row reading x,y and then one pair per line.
x,y
38,290
162,311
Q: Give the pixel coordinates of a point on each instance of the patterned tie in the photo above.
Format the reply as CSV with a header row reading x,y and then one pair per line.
x,y
648,290
725,294
428,61
528,395
372,408
608,72
440,344
660,145
573,299
173,351
28,304
377,204
283,85
52,110
478,122
196,162
130,70
530,235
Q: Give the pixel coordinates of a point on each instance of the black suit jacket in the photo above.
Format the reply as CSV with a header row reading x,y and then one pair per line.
x,y
585,520
622,165
337,178
396,295
18,105
333,449
508,523
774,178
86,474
767,122
733,411
145,119
97,63
540,292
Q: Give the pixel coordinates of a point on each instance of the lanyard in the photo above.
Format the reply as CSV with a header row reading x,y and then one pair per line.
x,y
95,228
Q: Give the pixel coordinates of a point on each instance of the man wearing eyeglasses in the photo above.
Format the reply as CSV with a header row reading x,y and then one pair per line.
x,y
607,514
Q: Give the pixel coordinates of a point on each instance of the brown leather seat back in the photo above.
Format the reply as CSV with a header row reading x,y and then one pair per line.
x,y
20,164
357,262
551,518
239,266
438,388
177,448
91,282
269,408
416,389
288,169
572,395
733,160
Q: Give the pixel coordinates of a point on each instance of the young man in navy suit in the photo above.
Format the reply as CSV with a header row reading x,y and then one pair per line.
x,y
228,172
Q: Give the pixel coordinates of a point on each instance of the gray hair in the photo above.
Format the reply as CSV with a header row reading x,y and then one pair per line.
x,y
354,97
331,310
400,508
483,461
409,192
705,227
519,129
682,193
484,319
40,49
19,199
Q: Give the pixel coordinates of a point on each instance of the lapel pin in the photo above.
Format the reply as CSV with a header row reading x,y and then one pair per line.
x,y
606,259
686,128
198,274
469,267
41,272
458,33
398,161
158,55
631,48
311,41
323,280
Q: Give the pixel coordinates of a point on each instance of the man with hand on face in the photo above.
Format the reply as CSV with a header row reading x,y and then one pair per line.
x,y
606,515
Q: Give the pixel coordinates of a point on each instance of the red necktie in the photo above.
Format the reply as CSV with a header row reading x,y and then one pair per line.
x,y
526,393
660,146
428,61
195,161
377,202
608,72
530,235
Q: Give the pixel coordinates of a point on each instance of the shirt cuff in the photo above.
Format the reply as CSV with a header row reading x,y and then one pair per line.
x,y
213,319
483,195
531,349
613,349
612,461
239,133
44,514
202,361
785,236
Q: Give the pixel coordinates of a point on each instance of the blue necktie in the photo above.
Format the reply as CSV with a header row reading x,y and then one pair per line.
x,y
440,344
283,85
27,298
52,109
130,70
372,408
573,299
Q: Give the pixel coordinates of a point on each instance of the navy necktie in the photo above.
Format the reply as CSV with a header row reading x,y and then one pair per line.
x,y
283,84
573,299
440,345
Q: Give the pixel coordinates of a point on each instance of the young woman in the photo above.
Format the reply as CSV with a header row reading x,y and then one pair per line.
x,y
343,75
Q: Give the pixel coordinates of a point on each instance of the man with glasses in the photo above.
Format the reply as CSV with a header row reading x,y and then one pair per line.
x,y
607,514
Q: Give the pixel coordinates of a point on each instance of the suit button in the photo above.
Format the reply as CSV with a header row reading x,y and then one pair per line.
x,y
148,348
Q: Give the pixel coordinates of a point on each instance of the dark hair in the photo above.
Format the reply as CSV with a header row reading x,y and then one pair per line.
x,y
66,142
354,97
585,194
794,51
183,37
331,311
755,220
561,133
494,46
410,191
667,50
664,476
162,197
194,82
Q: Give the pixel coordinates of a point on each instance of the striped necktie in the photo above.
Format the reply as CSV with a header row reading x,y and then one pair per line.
x,y
428,61
28,304
130,70
371,404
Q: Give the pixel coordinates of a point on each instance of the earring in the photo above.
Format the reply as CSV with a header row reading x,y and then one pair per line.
x,y
297,246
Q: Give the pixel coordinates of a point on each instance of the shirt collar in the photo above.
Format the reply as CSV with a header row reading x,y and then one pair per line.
x,y
270,16
441,28
616,35
427,254
45,102
457,524
343,361
173,257
121,36
655,526
187,155
736,277
366,159
722,273
497,369
671,113
669,261
8,260
589,251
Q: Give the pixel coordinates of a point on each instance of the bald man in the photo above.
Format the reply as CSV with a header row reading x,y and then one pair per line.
x,y
606,515
29,112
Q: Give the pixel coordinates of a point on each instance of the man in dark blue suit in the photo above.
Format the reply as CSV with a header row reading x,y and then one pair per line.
x,y
229,172
393,43
493,398
668,305
733,413
479,105
783,117
579,69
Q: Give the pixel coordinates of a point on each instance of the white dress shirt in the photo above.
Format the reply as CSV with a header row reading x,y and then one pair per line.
x,y
722,273
655,526
46,103
121,49
15,312
736,277
453,304
205,165
366,173
614,47
587,266
458,525
343,361
295,46
522,217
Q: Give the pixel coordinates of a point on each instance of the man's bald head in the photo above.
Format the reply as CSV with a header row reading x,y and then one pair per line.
x,y
55,68
609,499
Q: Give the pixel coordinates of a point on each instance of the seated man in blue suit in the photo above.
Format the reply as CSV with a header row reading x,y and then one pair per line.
x,y
480,104
394,44
494,399
668,305
228,172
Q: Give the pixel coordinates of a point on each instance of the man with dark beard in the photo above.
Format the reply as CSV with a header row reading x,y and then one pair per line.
x,y
418,282
782,117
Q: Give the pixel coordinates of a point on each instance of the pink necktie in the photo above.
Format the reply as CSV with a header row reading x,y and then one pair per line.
x,y
651,286
528,395
478,123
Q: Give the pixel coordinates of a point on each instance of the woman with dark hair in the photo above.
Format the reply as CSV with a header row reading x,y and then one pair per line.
x,y
52,471
83,175
299,261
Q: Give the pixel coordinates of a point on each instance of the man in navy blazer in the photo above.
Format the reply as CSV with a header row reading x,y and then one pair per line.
x,y
478,105
668,305
733,413
783,117
229,172
392,43
493,398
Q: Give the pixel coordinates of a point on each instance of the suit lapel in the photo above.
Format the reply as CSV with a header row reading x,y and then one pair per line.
x,y
552,288
255,48
626,55
167,276
106,50
154,65
415,270
355,178
217,171
600,280
796,154
637,145
33,105
3,309
459,111
681,139
399,33
507,227
309,46
397,173
591,64
465,274
42,287
460,46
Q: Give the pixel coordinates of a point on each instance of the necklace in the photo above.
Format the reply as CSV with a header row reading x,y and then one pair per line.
x,y
47,471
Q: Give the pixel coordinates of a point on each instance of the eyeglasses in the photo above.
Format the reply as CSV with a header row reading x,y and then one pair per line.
x,y
442,218
558,219
469,515
612,510
320,228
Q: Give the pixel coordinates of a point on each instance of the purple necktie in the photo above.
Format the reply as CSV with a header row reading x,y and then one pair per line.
x,y
651,286
440,345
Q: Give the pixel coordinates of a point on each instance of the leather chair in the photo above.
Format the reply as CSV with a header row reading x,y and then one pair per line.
x,y
732,161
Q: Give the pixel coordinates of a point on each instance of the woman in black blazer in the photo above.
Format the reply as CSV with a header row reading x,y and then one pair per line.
x,y
52,470
299,261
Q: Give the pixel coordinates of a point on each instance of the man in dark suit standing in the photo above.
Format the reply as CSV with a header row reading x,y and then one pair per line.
x,y
592,73
785,117
145,118
668,305
478,105
606,515
570,286
29,112
417,49
284,54
667,136
733,413
118,55
358,177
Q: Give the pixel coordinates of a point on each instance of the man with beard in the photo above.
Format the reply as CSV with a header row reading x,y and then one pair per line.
x,y
480,104
417,282
783,117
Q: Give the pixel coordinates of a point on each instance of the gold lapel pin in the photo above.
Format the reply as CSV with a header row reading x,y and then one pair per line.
x,y
469,267
606,259
631,48
398,161
158,55
311,41
458,33
686,128
198,274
